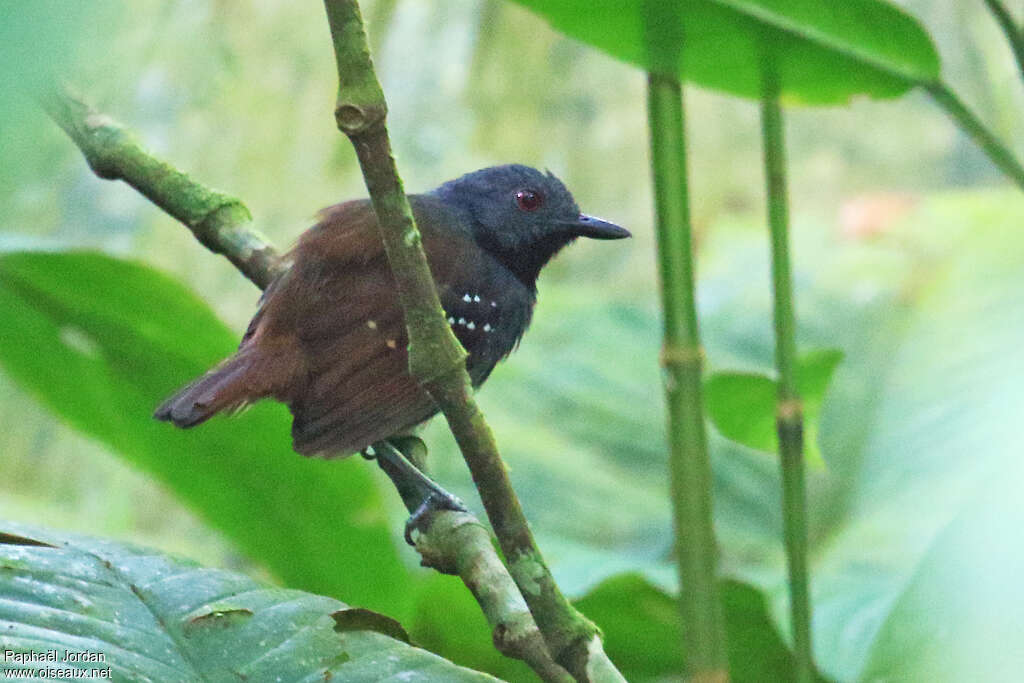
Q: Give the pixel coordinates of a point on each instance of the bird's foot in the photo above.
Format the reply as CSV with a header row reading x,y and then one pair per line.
x,y
437,500
421,494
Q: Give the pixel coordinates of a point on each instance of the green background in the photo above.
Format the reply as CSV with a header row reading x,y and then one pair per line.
x,y
908,259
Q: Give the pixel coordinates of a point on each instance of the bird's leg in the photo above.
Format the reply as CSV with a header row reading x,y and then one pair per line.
x,y
420,493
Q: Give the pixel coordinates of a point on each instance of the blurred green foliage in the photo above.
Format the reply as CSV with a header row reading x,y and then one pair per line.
x,y
913,517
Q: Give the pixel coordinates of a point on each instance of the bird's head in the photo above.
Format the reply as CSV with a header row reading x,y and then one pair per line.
x,y
522,216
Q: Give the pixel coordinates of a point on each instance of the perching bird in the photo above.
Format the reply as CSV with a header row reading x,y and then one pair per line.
x,y
329,338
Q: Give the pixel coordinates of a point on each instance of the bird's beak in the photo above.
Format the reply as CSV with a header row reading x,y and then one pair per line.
x,y
595,228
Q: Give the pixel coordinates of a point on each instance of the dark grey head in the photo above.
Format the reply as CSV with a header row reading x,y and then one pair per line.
x,y
522,216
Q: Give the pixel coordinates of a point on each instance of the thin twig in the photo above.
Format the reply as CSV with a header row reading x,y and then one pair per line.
x,y
1013,32
973,126
789,412
437,360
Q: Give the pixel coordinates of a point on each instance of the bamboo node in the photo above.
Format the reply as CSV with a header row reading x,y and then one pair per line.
x,y
681,355
790,410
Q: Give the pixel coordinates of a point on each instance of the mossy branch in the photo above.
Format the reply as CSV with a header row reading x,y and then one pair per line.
x,y
437,360
450,542
457,543
220,222
454,542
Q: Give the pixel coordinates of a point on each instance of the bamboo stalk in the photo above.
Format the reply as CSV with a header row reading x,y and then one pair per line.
x,y
789,411
682,358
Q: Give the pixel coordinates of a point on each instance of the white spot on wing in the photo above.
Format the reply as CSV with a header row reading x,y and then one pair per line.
x,y
471,325
487,327
466,297
494,304
372,324
476,298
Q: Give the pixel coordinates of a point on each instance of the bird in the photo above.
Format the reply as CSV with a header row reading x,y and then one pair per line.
x,y
329,337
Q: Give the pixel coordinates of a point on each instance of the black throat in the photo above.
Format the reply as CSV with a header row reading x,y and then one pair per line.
x,y
526,261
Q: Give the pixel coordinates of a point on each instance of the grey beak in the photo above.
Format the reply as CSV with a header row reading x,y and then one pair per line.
x,y
595,228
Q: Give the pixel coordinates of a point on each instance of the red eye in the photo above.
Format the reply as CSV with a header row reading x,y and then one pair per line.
x,y
529,200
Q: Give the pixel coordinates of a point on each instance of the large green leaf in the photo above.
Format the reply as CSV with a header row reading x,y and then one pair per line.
x,y
823,52
149,617
102,341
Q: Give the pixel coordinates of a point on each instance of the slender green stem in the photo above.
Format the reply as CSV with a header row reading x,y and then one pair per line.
x,y
789,417
972,125
437,360
682,358
1014,33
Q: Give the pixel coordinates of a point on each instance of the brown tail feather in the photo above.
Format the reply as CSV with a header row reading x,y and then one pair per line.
x,y
224,388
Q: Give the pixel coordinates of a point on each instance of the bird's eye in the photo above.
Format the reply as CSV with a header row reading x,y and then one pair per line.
x,y
529,200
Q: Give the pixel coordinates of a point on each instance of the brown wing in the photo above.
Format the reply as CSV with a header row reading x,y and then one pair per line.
x,y
340,307
339,312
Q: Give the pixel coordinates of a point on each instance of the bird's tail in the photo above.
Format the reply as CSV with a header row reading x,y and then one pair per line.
x,y
227,387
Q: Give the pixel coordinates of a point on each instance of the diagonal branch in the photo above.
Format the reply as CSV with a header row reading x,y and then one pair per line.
x,y
969,123
457,543
220,222
453,543
437,360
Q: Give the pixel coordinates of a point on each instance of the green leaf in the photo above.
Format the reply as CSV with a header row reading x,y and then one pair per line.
x,y
742,405
102,341
824,53
152,617
643,633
